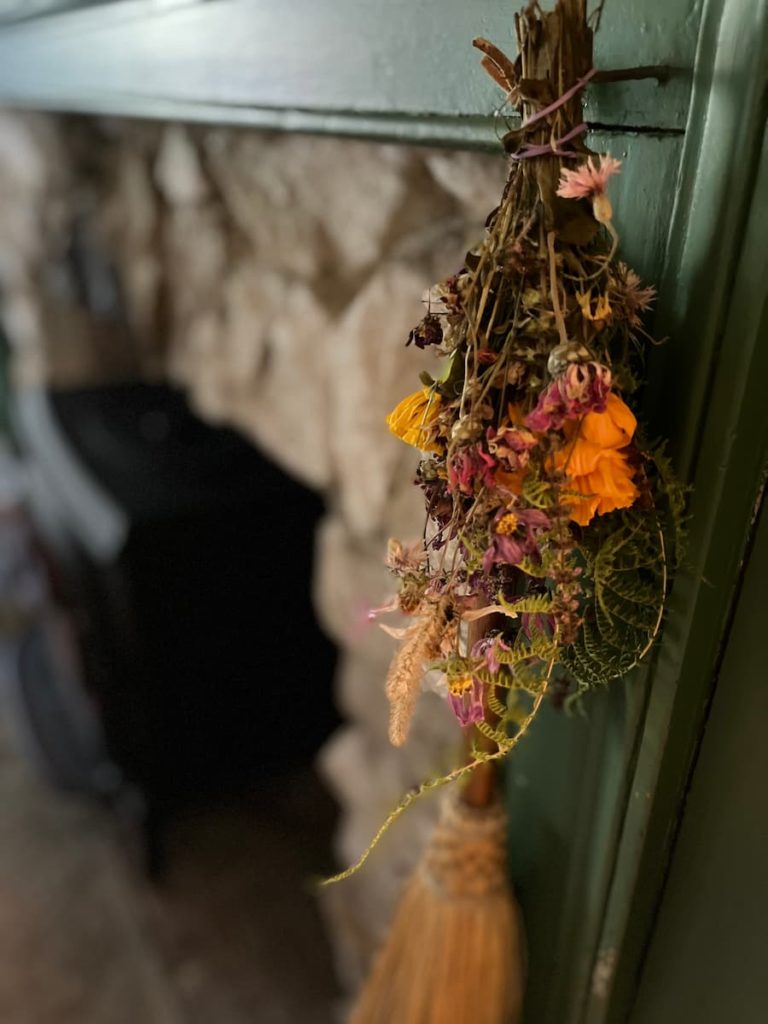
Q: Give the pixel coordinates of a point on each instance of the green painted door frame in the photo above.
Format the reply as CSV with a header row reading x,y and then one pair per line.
x,y
708,395
596,803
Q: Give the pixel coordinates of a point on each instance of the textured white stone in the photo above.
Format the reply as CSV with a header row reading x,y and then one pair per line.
x,y
276,279
178,172
476,182
350,579
370,777
130,225
246,360
29,145
371,370
306,207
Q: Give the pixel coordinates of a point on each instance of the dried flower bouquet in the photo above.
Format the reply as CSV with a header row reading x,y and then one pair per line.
x,y
550,518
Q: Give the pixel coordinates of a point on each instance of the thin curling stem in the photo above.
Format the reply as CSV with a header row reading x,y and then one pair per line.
x,y
430,784
554,290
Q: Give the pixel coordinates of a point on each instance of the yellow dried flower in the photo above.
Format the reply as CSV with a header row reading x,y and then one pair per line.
x,y
602,310
412,419
507,524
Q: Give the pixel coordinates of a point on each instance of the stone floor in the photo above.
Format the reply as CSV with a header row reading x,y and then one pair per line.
x,y
230,936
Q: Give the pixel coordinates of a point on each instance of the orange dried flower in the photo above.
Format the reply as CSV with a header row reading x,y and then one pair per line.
x,y
600,475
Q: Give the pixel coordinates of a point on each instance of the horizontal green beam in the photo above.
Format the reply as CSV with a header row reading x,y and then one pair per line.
x,y
400,69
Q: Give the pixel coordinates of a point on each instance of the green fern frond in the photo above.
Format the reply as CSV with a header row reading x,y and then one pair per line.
x,y
495,705
531,568
626,568
675,495
530,677
538,493
499,737
533,604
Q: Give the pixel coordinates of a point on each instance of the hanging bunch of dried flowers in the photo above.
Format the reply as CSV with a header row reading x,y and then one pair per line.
x,y
550,520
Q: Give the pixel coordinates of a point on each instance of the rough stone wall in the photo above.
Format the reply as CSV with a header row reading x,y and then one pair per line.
x,y
276,279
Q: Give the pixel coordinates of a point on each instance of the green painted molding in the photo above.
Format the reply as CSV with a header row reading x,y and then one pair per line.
x,y
398,69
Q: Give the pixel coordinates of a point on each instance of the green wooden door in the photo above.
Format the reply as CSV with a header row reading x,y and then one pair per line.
x,y
592,838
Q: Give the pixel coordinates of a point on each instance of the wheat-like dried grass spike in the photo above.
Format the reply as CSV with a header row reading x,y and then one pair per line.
x,y
420,645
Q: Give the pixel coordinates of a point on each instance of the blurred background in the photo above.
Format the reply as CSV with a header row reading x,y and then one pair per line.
x,y
203,329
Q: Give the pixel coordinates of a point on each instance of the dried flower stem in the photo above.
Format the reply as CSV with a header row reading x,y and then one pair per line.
x,y
430,784
554,289
546,503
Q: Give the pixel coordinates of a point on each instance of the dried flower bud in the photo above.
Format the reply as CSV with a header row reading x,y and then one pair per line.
x,y
428,332
562,355
466,429
602,209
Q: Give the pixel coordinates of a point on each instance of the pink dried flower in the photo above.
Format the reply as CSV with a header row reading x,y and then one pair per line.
x,y
511,445
582,388
637,299
465,697
469,469
585,387
505,550
587,180
489,648
515,537
391,605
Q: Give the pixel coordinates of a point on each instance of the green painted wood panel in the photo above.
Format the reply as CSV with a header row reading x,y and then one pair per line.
x,y
567,782
708,959
707,395
400,68
595,804
14,11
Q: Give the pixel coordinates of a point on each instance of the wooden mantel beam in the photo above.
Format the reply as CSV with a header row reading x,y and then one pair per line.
x,y
401,69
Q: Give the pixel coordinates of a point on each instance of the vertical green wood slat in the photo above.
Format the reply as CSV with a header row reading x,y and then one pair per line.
x,y
708,953
710,397
713,189
567,782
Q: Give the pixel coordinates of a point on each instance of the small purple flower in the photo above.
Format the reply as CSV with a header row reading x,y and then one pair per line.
x,y
506,550
582,388
515,536
489,647
470,467
465,696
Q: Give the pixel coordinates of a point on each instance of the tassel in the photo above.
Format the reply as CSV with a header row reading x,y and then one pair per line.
x,y
454,954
